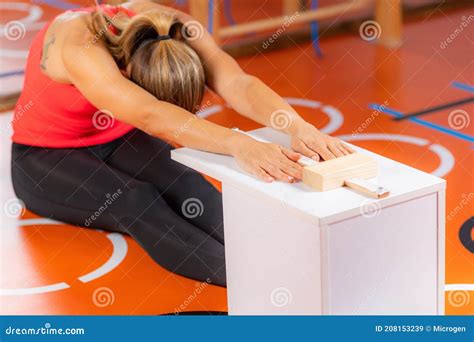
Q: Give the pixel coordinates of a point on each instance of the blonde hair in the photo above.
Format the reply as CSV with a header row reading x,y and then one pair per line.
x,y
169,69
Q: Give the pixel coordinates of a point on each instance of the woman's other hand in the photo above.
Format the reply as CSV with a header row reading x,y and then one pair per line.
x,y
267,161
312,143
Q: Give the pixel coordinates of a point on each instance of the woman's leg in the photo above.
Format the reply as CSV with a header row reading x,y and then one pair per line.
x,y
75,186
186,191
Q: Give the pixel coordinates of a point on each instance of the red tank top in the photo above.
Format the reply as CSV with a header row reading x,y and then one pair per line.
x,y
57,115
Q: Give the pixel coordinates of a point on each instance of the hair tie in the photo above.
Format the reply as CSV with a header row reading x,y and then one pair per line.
x,y
152,40
164,37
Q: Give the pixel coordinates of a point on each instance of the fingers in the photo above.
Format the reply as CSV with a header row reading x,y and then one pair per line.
x,y
277,173
291,154
331,150
295,171
304,150
347,148
282,165
316,151
334,148
262,175
323,151
342,150
290,166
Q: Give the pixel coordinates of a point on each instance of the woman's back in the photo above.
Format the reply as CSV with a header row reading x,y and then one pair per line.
x,y
52,112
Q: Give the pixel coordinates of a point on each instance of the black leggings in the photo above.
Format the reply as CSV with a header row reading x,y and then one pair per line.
x,y
131,186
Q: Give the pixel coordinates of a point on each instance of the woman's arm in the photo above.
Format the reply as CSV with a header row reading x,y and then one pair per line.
x,y
249,96
94,72
252,98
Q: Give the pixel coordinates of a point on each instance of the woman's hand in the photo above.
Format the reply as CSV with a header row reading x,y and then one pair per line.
x,y
312,143
267,161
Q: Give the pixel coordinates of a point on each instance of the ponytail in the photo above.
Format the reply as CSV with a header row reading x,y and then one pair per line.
x,y
152,45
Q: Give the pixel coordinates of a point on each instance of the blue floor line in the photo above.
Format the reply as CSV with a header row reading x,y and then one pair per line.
x,y
463,86
442,129
210,16
228,12
315,32
12,73
61,4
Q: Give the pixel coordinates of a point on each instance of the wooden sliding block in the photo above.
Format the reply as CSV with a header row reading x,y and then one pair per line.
x,y
333,173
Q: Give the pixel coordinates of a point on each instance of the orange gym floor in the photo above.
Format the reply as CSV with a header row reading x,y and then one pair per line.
x,y
52,268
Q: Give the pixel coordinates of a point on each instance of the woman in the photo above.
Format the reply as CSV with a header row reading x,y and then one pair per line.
x,y
145,67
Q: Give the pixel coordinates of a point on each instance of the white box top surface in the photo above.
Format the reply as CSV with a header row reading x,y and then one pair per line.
x,y
404,183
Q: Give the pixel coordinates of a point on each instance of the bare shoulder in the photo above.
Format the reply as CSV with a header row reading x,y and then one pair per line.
x,y
74,29
69,29
88,59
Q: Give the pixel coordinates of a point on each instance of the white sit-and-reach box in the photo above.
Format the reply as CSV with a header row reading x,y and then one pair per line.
x,y
293,250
